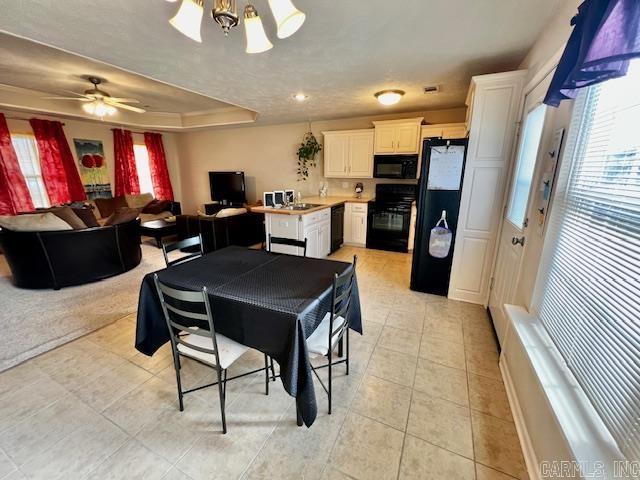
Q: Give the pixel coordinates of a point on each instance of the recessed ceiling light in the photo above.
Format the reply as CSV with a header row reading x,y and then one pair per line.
x,y
389,97
301,97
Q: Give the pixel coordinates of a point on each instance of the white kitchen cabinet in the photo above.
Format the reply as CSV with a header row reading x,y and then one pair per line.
x,y
314,226
445,130
355,224
398,136
348,154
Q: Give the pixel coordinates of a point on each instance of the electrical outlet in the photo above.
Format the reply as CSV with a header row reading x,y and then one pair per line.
x,y
345,185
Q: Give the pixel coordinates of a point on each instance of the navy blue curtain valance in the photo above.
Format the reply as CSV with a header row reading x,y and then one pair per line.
x,y
605,37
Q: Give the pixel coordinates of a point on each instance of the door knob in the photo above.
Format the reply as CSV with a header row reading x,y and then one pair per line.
x,y
516,241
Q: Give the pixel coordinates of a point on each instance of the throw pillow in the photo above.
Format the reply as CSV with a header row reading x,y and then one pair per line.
x,y
86,215
138,201
69,216
123,215
106,206
34,222
157,206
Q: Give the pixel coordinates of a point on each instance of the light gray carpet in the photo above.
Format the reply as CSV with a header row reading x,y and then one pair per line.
x,y
34,321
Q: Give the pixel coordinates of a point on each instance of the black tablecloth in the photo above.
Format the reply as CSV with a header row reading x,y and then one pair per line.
x,y
266,301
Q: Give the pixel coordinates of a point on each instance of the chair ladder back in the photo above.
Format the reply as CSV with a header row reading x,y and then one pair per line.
x,y
174,325
180,245
289,242
341,302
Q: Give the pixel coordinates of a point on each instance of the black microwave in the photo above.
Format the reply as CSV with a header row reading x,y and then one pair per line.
x,y
395,166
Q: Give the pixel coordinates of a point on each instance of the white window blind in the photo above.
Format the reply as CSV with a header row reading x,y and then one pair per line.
x,y
29,160
589,294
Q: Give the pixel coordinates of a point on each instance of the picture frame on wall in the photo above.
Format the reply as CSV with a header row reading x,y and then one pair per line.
x,y
267,199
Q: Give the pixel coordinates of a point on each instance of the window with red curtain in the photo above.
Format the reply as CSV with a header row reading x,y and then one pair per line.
x,y
158,166
125,171
14,194
59,172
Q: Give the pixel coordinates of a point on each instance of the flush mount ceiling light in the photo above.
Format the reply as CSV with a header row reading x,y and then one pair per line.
x,y
389,97
301,97
188,20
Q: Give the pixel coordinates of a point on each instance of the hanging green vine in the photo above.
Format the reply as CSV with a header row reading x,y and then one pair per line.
x,y
307,152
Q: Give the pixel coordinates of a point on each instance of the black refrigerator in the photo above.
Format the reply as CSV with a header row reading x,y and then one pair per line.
x,y
438,196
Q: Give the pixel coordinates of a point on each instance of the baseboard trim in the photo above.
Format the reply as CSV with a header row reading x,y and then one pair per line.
x,y
530,458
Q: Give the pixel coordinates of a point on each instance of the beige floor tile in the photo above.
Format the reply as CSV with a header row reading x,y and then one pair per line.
x,y
441,422
402,341
40,431
496,444
250,421
374,313
16,405
103,390
370,333
446,353
421,460
442,382
343,390
480,338
443,330
156,363
393,366
367,449
483,362
383,401
488,395
413,321
133,460
298,452
15,475
486,473
77,454
175,474
19,376
331,473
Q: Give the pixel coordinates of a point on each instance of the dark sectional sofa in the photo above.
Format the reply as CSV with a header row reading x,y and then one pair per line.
x,y
56,259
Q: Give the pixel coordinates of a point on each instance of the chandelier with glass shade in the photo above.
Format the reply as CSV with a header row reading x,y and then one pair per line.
x,y
188,20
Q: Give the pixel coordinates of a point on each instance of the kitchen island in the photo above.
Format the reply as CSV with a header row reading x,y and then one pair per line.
x,y
315,224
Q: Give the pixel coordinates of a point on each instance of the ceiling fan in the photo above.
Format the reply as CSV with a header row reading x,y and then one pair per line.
x,y
100,103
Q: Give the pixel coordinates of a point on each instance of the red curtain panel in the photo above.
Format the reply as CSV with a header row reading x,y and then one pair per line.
x,y
74,183
54,175
158,166
14,194
126,174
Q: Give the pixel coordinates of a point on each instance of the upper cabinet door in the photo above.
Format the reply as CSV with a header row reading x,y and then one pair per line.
x,y
361,155
408,139
454,131
386,139
336,154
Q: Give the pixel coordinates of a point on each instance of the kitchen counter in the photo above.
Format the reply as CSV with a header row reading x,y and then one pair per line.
x,y
323,202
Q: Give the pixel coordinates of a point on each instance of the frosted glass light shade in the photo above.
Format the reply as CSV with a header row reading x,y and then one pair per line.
x,y
288,18
389,97
257,40
188,20
99,108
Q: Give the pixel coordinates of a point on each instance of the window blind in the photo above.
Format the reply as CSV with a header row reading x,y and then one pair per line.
x,y
29,160
589,296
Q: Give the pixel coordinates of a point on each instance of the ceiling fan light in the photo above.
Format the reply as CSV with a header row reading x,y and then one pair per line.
x,y
188,20
257,41
389,97
89,107
288,18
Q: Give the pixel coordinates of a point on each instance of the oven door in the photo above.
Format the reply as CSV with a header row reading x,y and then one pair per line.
x,y
388,227
388,168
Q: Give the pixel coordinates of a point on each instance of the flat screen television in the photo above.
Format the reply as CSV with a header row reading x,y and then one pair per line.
x,y
227,187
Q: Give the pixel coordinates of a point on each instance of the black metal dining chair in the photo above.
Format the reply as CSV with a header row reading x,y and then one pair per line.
x,y
334,326
287,241
187,243
202,345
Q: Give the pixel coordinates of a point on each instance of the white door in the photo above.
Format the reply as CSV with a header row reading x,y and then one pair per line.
x,y
359,227
336,155
407,139
312,234
324,233
514,224
385,139
361,155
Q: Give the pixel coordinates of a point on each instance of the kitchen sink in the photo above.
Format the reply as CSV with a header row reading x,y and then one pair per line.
x,y
301,206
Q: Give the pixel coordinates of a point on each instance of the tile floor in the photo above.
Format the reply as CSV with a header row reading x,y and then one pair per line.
x,y
424,401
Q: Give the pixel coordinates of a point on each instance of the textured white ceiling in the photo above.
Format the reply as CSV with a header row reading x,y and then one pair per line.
x,y
346,51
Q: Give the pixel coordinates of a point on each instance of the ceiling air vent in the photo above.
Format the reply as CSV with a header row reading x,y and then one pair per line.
x,y
430,89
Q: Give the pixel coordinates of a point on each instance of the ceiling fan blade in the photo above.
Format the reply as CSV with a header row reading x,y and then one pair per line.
x,y
69,98
124,100
126,107
76,93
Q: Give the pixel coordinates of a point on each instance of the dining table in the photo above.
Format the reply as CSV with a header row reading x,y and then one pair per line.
x,y
267,301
